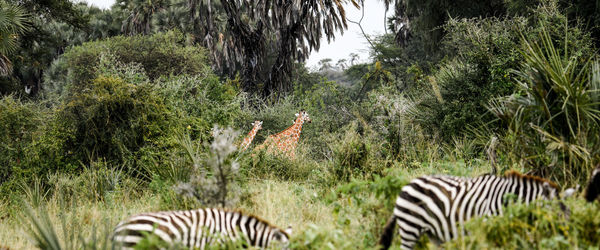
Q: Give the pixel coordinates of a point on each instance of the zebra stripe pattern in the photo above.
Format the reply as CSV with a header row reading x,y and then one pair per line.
x,y
199,228
437,205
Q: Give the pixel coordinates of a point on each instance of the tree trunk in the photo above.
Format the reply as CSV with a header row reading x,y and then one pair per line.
x,y
279,81
252,45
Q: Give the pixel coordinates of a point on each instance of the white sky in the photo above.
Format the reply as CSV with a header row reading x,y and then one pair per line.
x,y
351,42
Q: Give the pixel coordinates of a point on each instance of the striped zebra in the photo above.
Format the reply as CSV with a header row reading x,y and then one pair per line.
x,y
437,205
199,228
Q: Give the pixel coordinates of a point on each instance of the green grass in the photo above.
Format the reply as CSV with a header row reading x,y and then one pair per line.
x,y
320,214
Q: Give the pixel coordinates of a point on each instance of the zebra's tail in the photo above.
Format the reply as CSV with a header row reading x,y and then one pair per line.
x,y
385,241
593,189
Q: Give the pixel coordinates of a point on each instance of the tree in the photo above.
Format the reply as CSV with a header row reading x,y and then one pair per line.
x,y
325,64
12,25
292,28
426,17
40,43
140,15
341,64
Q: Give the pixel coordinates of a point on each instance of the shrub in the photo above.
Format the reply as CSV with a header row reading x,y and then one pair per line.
x,y
263,165
554,119
482,51
161,54
319,238
398,130
127,119
201,101
351,156
19,122
114,119
328,104
96,182
213,182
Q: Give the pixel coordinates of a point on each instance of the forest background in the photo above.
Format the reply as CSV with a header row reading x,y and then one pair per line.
x,y
109,113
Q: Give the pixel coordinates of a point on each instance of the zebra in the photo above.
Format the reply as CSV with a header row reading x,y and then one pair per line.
x,y
437,205
593,188
199,228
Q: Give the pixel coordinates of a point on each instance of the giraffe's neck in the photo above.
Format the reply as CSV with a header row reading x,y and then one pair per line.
x,y
294,130
246,142
252,133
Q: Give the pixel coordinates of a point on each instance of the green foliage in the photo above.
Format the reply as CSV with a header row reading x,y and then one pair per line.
x,y
162,54
114,119
535,226
384,188
18,123
395,121
319,238
554,117
100,181
484,51
13,23
422,19
201,101
262,165
351,156
328,105
46,235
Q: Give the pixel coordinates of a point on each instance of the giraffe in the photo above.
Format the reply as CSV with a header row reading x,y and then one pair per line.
x,y
287,140
257,125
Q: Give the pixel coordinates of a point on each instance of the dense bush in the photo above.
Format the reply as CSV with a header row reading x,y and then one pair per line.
x,y
481,54
18,123
394,120
201,101
161,54
126,118
329,106
114,119
553,120
351,156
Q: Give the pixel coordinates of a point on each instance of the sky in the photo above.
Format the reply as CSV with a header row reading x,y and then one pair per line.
x,y
352,41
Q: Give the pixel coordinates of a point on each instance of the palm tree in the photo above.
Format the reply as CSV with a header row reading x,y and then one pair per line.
x,y
13,23
294,28
140,15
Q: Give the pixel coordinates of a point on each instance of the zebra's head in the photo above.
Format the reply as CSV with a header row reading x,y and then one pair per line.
x,y
549,191
283,236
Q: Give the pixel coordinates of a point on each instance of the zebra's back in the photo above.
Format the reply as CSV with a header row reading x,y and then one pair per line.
x,y
198,228
438,205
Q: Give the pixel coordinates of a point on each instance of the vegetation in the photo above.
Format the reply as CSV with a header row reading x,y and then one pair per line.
x,y
109,113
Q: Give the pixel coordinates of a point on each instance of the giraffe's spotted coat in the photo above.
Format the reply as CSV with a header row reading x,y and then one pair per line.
x,y
257,125
286,141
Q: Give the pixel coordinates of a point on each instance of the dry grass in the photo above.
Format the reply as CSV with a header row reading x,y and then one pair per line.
x,y
79,219
304,206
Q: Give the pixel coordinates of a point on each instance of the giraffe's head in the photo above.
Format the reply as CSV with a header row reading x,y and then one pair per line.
x,y
303,115
257,125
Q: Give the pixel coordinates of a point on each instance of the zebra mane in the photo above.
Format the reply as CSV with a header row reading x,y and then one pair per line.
x,y
513,173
